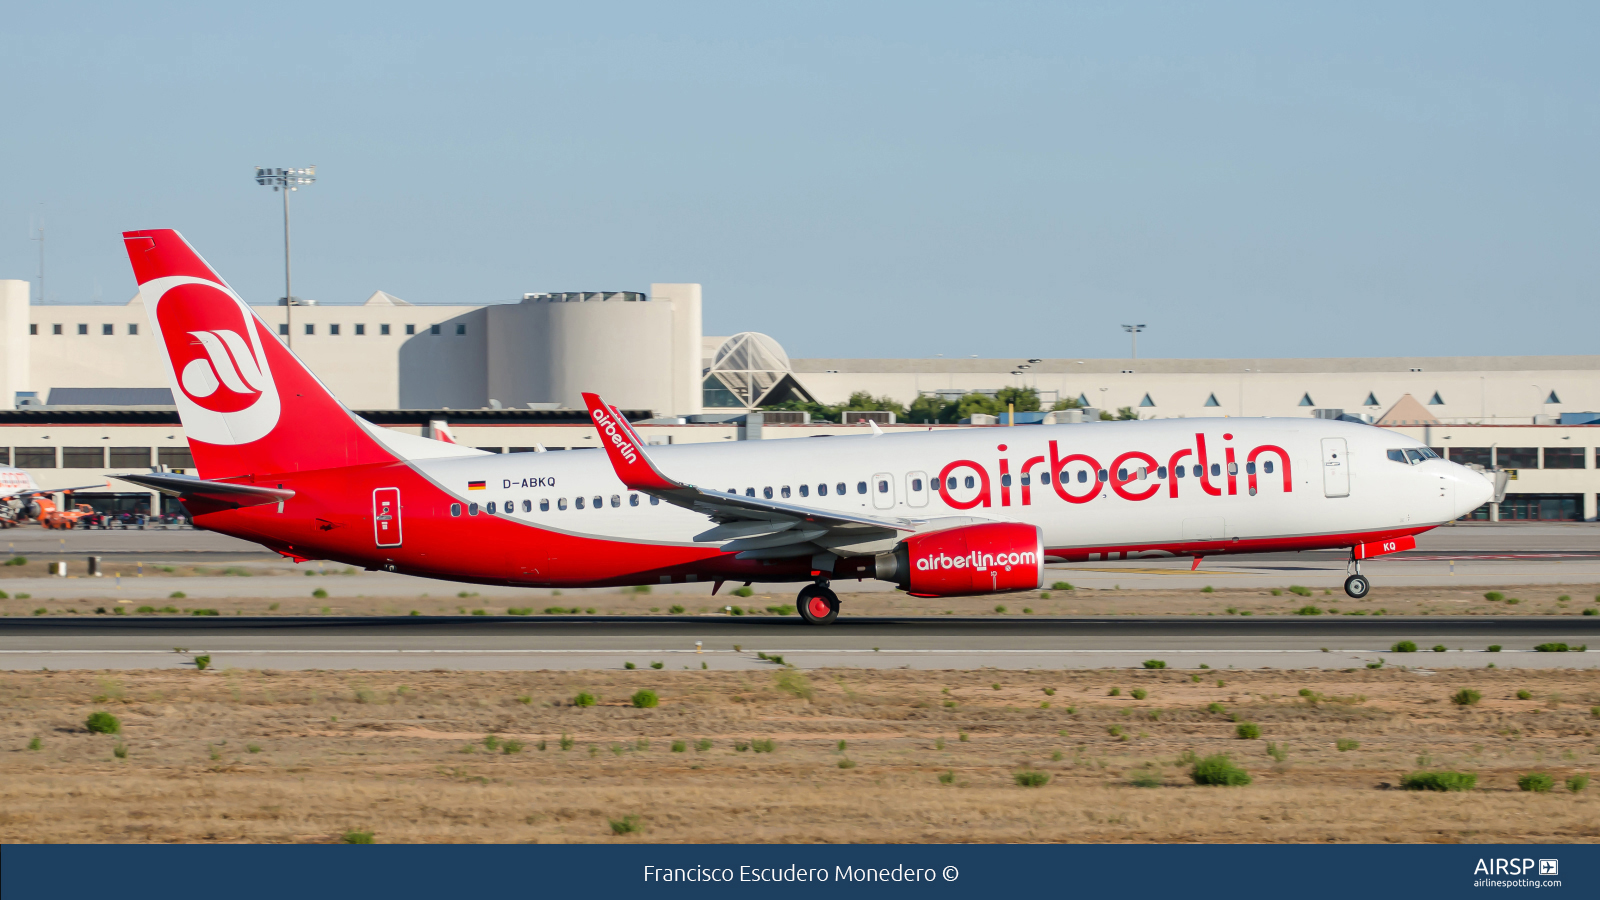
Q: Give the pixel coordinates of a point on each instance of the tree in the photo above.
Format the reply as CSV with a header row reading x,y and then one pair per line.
x,y
1068,403
1026,399
861,400
1124,414
976,404
926,409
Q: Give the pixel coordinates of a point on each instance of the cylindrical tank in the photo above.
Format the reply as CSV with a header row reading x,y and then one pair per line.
x,y
553,347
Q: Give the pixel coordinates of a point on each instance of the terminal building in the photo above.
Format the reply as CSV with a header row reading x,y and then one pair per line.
x,y
83,391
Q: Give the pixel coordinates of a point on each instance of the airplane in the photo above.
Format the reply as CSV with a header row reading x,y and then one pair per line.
x,y
946,513
22,499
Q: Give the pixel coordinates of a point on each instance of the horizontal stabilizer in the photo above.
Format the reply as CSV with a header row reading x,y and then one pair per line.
x,y
186,487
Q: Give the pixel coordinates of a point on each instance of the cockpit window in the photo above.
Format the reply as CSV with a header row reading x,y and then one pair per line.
x,y
1412,455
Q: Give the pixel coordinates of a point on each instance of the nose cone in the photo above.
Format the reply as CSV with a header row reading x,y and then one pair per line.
x,y
1473,489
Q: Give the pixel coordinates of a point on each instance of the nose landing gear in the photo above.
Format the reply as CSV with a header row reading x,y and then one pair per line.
x,y
1357,585
818,605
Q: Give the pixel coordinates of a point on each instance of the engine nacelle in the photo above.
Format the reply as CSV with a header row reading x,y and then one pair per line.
x,y
986,558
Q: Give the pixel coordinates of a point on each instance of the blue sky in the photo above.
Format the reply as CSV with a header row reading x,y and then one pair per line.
x,y
856,179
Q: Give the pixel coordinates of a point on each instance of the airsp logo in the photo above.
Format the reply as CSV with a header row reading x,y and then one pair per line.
x,y
223,385
1549,867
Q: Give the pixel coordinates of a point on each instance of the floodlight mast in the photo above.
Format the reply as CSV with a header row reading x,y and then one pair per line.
x,y
1134,330
286,180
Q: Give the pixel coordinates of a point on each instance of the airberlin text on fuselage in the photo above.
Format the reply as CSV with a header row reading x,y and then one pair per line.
x,y
612,433
977,560
1132,475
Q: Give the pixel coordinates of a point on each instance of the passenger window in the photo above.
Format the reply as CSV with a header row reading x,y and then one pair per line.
x,y
1267,466
950,484
969,481
597,503
839,489
861,487
561,503
1026,480
455,509
1044,477
1161,472
805,490
472,509
1233,468
633,499
577,503
767,492
616,500
1005,480
883,486
1250,468
1180,471
527,506
1083,475
490,508
1101,475
544,504
784,492
749,492
916,484
1215,470
1122,474
655,501
1397,455
822,490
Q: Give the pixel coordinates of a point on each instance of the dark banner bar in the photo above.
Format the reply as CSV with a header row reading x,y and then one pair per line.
x,y
1185,872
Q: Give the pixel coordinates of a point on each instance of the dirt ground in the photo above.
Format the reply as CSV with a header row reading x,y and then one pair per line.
x,y
882,756
1520,600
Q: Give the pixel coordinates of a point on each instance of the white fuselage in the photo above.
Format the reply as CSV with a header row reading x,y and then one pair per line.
x,y
1341,482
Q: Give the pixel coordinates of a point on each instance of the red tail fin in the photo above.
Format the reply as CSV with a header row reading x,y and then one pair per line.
x,y
248,405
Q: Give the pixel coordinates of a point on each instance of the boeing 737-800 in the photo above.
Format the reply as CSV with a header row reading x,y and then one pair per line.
x,y
939,513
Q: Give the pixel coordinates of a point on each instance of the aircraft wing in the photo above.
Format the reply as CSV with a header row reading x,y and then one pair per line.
x,y
29,492
188,487
754,527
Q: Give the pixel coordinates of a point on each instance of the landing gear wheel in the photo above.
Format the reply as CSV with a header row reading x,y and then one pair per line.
x,y
817,604
1357,586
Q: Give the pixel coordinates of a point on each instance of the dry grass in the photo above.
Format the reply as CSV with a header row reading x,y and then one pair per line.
x,y
1535,600
383,752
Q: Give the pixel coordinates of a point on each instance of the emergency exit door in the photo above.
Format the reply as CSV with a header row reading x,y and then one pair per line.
x,y
386,516
1335,468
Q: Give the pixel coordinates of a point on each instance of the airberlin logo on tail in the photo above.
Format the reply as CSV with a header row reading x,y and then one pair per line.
x,y
229,363
223,383
608,427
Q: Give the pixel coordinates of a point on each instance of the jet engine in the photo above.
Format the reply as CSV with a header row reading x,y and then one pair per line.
x,y
971,559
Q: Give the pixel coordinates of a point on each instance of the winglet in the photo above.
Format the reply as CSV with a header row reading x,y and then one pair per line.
x,y
625,448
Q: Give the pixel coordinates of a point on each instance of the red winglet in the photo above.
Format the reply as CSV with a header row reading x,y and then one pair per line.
x,y
625,449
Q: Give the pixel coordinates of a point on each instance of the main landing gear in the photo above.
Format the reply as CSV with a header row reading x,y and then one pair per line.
x,y
818,605
1357,585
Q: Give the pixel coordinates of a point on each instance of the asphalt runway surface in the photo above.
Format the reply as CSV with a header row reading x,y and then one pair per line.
x,y
719,642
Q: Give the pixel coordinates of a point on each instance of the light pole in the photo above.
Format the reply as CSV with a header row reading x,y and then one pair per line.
x,y
286,180
1134,330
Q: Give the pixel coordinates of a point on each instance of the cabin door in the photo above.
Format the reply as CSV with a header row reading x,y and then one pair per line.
x,y
386,517
1335,468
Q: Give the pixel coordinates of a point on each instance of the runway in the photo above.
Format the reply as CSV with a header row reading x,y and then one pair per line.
x,y
719,642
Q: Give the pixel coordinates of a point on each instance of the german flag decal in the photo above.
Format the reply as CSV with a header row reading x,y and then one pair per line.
x,y
474,485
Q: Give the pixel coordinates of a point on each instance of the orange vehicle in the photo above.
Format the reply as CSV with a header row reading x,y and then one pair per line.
x,y
51,517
